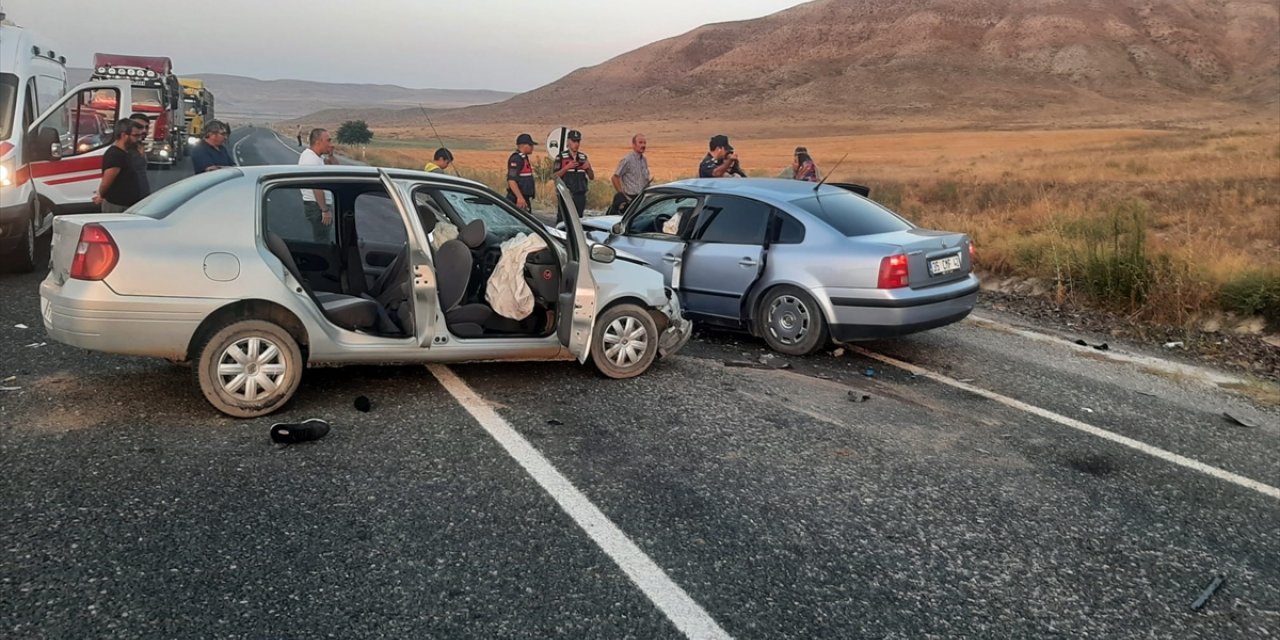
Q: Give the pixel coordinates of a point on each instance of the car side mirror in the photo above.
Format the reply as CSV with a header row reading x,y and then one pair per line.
x,y
603,253
617,229
49,139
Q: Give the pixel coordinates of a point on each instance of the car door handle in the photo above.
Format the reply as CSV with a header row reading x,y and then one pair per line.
x,y
747,262
670,258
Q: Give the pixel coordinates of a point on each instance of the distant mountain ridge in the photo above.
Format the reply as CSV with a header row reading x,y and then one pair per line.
x,y
240,97
956,60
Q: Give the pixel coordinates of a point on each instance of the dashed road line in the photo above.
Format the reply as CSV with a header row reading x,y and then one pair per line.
x,y
683,611
1137,445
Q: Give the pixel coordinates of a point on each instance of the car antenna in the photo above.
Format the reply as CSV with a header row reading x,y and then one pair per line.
x,y
833,170
437,135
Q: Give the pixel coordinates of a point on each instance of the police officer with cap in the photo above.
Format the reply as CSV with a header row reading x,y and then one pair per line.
x,y
573,167
520,184
722,161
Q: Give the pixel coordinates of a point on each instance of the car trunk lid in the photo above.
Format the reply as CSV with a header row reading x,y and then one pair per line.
x,y
66,237
933,257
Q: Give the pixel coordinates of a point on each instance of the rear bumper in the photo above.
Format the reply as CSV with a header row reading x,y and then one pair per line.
x,y
868,319
90,315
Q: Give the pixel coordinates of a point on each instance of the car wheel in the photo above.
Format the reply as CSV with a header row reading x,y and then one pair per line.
x,y
625,341
22,258
791,322
249,368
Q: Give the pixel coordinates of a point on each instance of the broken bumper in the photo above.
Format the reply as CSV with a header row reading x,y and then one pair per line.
x,y
678,329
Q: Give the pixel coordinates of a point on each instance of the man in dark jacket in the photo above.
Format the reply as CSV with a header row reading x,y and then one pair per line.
x,y
520,182
212,153
574,168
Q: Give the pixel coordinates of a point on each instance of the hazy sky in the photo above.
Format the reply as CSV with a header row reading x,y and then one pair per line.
x,y
512,45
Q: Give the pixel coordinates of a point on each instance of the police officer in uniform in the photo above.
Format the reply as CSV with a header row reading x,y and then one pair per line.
x,y
575,169
722,161
520,184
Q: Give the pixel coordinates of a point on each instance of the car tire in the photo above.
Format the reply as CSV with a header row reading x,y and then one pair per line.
x,y
22,254
236,384
618,331
791,322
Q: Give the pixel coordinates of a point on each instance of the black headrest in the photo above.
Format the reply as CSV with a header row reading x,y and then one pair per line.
x,y
473,234
428,218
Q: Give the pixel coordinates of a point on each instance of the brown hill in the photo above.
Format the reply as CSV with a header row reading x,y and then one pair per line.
x,y
977,59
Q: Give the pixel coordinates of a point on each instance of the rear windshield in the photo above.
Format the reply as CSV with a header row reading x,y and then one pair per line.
x,y
852,215
8,100
165,201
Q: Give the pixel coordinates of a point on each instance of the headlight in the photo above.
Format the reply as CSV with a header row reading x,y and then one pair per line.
x,y
164,153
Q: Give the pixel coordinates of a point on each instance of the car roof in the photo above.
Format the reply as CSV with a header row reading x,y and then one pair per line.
x,y
276,171
762,188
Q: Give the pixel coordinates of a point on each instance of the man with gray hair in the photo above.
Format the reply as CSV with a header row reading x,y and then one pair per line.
x,y
212,153
632,175
317,204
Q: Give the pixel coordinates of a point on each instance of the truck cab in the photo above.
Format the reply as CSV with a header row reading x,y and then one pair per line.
x,y
157,93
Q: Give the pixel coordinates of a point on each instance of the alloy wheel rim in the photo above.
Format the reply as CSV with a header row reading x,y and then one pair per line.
x,y
625,342
789,319
251,369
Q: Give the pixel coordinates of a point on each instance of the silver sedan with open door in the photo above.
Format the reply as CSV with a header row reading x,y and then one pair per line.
x,y
795,263
236,272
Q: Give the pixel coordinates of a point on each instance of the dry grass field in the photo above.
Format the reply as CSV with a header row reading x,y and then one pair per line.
x,y
1166,224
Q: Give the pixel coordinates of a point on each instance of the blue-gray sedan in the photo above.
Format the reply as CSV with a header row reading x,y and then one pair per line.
x,y
795,263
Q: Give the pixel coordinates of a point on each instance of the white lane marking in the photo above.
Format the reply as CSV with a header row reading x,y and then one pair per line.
x,y
235,148
1159,364
685,613
285,144
1167,456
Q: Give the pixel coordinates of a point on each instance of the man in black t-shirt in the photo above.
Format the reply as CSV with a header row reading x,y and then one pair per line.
x,y
573,167
140,154
120,188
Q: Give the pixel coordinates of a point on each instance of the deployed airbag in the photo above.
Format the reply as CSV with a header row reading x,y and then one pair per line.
x,y
507,291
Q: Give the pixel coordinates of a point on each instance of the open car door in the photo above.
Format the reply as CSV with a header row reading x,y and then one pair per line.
x,y
425,296
577,304
64,147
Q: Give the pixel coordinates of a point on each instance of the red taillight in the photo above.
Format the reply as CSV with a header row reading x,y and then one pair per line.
x,y
893,273
96,254
973,253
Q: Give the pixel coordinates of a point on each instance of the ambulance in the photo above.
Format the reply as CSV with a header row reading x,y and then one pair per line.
x,y
51,140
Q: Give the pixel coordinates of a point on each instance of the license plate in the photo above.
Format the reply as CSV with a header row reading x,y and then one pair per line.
x,y
943,266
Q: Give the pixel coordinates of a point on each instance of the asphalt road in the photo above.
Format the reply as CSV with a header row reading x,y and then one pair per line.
x,y
998,482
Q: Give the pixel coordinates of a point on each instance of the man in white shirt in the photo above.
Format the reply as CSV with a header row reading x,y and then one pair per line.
x,y
317,204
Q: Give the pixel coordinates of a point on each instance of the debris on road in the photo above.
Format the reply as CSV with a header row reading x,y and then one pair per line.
x,y
1208,592
36,345
20,326
362,404
10,388
1101,347
293,433
1087,409
1177,344
838,353
1243,422
555,423
855,396
870,372
9,379
1147,393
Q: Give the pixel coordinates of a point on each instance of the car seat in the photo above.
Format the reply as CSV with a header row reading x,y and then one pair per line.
x,y
349,312
453,270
